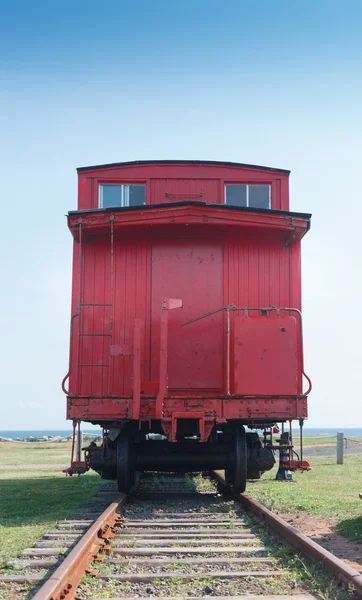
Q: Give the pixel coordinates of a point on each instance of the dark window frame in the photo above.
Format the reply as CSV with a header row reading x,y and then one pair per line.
x,y
124,195
247,186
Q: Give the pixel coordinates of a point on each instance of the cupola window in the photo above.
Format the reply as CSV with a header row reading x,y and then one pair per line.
x,y
121,195
248,195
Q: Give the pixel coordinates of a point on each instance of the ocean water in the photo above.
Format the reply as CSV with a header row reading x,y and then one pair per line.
x,y
352,432
48,432
348,432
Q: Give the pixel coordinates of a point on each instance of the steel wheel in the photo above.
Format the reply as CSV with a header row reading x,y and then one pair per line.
x,y
125,474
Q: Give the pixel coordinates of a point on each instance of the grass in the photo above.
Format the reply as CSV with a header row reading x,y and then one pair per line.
x,y
315,440
31,500
318,440
328,490
35,454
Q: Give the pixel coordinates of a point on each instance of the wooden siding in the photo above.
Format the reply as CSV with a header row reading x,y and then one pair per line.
x,y
206,271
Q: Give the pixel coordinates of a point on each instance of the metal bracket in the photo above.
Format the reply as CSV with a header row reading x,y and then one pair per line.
x,y
166,305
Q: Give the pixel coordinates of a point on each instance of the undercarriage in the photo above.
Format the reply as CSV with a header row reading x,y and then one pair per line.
x,y
239,453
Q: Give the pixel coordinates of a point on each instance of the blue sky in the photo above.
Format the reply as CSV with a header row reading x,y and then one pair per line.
x,y
274,83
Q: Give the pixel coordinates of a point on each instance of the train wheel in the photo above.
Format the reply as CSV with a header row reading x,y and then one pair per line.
x,y
125,474
235,477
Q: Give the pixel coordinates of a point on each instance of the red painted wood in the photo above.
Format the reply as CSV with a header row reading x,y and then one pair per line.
x,y
163,366
136,400
175,190
125,262
181,178
266,356
191,270
273,409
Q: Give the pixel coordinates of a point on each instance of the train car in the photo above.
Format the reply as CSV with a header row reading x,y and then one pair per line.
x,y
186,327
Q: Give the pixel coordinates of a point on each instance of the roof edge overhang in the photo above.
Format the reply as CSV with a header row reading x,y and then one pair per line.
x,y
293,226
191,203
135,163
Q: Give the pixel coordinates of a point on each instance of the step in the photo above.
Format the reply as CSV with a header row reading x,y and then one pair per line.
x,y
148,577
185,515
188,561
76,523
30,579
174,523
41,552
247,538
187,550
64,531
59,535
179,533
31,563
54,544
243,597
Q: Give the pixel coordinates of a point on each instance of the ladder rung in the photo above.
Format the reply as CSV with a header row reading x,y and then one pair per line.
x,y
79,365
95,334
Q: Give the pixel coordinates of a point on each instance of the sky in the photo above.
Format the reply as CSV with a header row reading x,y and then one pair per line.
x,y
271,83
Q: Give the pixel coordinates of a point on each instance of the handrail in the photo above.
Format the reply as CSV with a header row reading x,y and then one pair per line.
x,y
231,307
66,392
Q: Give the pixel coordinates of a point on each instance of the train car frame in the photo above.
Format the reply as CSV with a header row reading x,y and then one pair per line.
x,y
186,322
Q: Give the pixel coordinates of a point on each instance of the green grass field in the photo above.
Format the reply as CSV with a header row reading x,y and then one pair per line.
x,y
318,440
315,440
35,454
32,499
328,490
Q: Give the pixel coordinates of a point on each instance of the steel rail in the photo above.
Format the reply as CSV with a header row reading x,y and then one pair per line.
x,y
298,540
64,581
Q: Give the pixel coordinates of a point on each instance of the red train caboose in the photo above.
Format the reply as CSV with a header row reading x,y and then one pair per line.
x,y
186,317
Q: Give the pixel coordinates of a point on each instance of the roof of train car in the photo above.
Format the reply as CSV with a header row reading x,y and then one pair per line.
x,y
192,203
181,162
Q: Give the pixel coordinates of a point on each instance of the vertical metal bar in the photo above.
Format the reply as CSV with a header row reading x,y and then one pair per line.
x,y
340,437
136,400
79,444
301,421
73,442
227,352
111,315
78,390
163,364
104,439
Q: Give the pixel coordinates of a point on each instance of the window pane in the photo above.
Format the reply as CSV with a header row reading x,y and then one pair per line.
x,y
235,194
122,195
137,195
110,195
259,196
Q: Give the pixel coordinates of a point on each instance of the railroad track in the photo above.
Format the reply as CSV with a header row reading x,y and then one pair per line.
x,y
174,537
